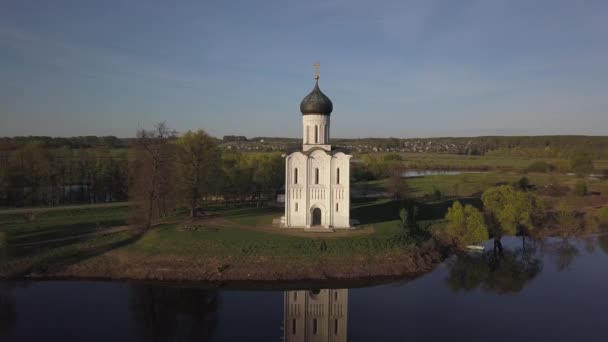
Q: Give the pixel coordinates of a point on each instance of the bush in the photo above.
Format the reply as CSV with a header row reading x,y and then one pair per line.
x,y
580,188
466,224
522,184
437,195
581,163
540,166
603,215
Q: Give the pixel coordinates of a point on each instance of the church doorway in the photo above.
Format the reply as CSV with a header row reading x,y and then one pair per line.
x,y
316,217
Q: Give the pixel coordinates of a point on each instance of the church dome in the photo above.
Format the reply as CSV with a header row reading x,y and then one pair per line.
x,y
316,102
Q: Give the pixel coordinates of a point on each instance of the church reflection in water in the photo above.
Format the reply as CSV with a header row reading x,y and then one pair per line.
x,y
315,315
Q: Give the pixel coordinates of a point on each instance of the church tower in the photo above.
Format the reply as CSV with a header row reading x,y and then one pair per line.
x,y
317,179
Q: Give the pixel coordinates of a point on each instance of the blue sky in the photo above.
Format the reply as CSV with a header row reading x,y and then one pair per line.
x,y
391,68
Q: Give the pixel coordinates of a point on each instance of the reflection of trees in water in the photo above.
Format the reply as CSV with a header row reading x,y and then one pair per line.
x,y
565,253
174,314
494,271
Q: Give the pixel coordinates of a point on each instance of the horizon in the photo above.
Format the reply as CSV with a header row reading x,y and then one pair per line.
x,y
421,69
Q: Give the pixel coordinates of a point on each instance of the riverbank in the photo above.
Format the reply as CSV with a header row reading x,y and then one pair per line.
x,y
235,244
121,265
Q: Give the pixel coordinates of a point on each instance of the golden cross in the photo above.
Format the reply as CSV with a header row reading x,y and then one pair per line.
x,y
317,65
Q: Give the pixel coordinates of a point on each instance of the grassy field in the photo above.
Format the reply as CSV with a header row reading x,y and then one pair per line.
x,y
44,240
76,235
446,161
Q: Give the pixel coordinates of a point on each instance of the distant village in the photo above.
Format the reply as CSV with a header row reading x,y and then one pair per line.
x,y
366,145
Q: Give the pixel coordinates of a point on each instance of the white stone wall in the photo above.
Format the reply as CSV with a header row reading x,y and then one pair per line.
x,y
312,123
331,196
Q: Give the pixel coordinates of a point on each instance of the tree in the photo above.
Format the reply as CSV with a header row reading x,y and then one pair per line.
x,y
510,211
466,224
580,188
396,184
200,166
151,173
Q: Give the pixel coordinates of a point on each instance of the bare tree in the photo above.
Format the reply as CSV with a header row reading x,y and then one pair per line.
x,y
397,186
151,174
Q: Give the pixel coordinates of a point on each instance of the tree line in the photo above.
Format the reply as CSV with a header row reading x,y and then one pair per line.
x,y
34,175
159,167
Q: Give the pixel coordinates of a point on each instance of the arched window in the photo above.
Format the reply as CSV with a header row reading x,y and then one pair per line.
x,y
336,327
307,134
316,175
338,176
326,134
336,210
316,134
296,206
314,326
293,327
295,176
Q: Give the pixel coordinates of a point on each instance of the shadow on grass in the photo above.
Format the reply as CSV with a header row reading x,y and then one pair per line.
x,y
369,211
54,257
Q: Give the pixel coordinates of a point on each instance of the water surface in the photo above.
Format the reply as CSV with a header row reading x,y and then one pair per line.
x,y
552,291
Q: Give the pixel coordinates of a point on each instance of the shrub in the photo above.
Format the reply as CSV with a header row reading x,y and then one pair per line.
x,y
603,215
580,188
540,166
522,184
466,224
581,163
437,195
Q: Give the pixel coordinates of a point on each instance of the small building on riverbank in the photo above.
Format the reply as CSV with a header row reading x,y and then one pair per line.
x,y
317,179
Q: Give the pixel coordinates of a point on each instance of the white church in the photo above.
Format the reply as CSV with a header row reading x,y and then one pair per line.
x,y
317,179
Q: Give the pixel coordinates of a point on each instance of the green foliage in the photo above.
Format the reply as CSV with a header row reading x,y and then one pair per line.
x,y
603,215
522,184
580,188
466,224
581,163
200,166
568,220
436,194
511,210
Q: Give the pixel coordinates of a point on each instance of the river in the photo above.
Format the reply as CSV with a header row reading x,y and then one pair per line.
x,y
549,291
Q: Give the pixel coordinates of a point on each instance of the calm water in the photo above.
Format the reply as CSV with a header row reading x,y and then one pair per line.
x,y
555,291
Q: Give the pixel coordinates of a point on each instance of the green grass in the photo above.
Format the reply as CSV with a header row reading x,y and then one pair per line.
x,y
46,225
238,242
466,184
252,235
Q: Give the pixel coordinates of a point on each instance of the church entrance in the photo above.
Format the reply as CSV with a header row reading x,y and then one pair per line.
x,y
316,217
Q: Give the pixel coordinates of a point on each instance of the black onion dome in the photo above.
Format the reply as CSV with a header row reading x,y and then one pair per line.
x,y
316,102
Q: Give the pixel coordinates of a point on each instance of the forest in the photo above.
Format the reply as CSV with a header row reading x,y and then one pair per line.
x,y
51,171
